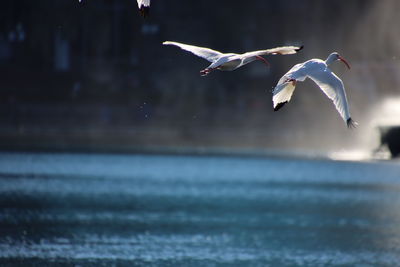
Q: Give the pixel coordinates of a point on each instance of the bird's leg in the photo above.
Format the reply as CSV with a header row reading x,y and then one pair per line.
x,y
206,71
263,60
293,81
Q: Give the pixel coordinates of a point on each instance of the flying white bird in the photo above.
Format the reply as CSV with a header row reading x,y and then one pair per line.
x,y
318,71
231,61
144,7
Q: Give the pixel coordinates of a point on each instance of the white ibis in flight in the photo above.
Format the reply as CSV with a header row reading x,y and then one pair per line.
x,y
318,71
232,61
144,7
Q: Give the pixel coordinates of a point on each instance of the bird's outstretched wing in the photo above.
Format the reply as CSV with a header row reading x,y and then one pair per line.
x,y
283,91
144,7
333,87
206,53
282,94
283,50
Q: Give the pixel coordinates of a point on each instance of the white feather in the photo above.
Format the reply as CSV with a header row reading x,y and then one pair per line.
x,y
203,52
284,50
145,3
284,90
333,87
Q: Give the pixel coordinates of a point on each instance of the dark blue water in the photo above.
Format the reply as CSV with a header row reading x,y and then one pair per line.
x,y
137,210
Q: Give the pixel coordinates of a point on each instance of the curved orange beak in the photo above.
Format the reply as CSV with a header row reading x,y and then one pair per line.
x,y
345,62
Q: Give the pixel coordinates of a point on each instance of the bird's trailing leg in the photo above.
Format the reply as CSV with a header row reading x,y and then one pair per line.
x,y
144,10
263,60
206,71
293,81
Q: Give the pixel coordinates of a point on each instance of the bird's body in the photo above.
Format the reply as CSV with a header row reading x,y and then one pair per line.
x,y
144,7
232,61
318,71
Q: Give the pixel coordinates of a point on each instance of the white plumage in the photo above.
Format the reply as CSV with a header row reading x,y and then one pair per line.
x,y
318,71
232,61
144,7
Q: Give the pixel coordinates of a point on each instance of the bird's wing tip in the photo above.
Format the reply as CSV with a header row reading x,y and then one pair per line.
x,y
279,105
168,43
300,48
351,124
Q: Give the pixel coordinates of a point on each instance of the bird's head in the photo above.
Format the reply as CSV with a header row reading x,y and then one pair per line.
x,y
335,56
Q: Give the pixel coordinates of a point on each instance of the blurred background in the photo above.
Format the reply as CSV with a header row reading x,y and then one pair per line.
x,y
93,75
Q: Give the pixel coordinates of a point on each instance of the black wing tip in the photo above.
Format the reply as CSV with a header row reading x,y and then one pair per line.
x,y
144,11
300,48
351,124
279,106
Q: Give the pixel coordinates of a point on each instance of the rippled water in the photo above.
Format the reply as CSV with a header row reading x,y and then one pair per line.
x,y
104,210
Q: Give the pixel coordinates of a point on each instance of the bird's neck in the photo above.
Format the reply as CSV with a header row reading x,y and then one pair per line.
x,y
330,60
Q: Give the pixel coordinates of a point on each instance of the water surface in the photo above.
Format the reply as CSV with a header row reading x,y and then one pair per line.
x,y
161,210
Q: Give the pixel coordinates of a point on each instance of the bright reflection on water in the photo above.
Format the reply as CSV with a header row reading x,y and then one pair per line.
x,y
197,211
